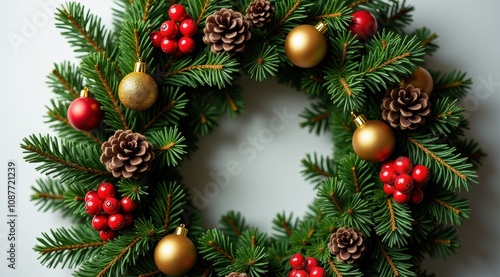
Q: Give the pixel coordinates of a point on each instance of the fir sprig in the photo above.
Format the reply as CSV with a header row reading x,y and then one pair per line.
x,y
66,81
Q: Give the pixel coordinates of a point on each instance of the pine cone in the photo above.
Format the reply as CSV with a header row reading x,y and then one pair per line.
x,y
347,244
236,274
226,30
406,108
127,154
260,12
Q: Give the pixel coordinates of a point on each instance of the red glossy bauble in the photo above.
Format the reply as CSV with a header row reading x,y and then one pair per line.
x,y
363,24
186,45
401,197
403,165
106,190
85,113
107,234
100,222
416,196
404,183
188,27
298,261
177,13
169,29
111,206
421,174
388,175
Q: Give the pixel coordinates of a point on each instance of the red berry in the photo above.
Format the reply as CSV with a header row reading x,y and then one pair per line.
x,y
177,13
418,185
421,174
100,222
116,222
317,272
107,234
297,261
188,27
299,273
93,206
404,183
129,219
389,189
403,165
186,45
106,190
416,196
387,175
388,164
111,206
363,24
311,263
169,29
84,113
169,46
127,204
156,38
401,197
91,194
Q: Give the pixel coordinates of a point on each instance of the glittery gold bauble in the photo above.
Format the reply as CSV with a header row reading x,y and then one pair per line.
x,y
305,45
175,254
138,90
421,79
373,140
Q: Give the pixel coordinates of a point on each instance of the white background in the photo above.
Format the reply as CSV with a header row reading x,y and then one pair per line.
x,y
270,181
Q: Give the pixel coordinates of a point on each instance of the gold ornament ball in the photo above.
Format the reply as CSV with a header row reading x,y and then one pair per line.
x,y
175,254
138,90
422,79
305,45
373,140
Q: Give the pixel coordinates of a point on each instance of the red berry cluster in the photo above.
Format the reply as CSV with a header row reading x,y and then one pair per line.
x,y
110,214
175,35
305,267
404,181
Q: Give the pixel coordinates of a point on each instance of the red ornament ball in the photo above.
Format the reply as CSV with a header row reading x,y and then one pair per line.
x,y
93,206
388,175
91,195
111,206
401,197
100,222
107,234
317,272
156,38
363,24
299,273
403,165
129,219
186,45
311,263
298,261
169,46
106,190
177,13
416,196
404,183
116,222
169,29
389,189
85,113
188,27
127,204
421,174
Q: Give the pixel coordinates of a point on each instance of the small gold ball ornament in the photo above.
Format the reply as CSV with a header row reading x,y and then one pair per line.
x,y
175,254
421,79
305,45
138,90
373,140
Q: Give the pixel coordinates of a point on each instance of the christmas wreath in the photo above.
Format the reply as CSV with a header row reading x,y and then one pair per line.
x,y
157,83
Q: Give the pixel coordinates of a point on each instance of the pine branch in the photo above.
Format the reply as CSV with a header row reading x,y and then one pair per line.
x,y
453,84
319,169
65,159
168,110
335,13
447,207
199,10
135,45
393,221
261,61
229,101
284,225
48,195
317,118
68,246
168,146
66,81
252,261
233,225
338,269
358,173
445,117
443,242
427,39
204,116
470,149
396,17
135,189
217,248
392,261
167,205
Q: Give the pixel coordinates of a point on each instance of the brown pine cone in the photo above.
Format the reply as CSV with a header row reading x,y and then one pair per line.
x,y
236,274
406,107
347,245
226,30
260,12
127,154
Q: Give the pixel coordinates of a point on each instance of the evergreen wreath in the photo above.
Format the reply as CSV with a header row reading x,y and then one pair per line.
x,y
357,225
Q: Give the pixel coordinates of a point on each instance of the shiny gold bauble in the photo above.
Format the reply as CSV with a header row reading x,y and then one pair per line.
x,y
373,140
305,45
422,79
138,90
175,254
